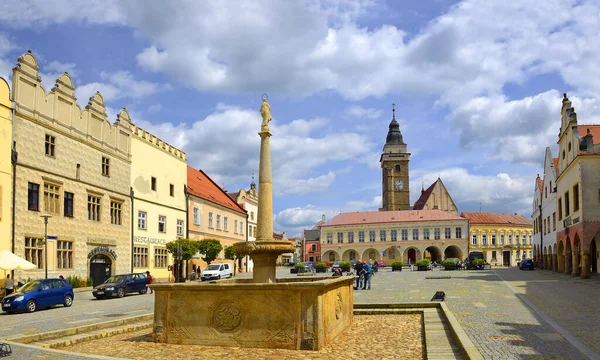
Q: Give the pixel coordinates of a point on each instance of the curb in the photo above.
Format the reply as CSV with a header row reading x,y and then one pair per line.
x,y
460,335
60,352
89,337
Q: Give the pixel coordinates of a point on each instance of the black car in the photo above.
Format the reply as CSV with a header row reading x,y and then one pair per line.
x,y
526,264
121,285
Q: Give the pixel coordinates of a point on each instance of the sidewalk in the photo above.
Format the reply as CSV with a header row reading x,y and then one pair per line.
x,y
594,279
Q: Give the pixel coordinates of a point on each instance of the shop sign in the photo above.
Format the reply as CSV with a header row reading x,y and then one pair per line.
x,y
102,249
149,240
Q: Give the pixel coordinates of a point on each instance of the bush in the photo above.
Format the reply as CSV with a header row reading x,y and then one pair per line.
x,y
397,264
424,262
449,263
345,266
478,262
299,266
321,265
77,282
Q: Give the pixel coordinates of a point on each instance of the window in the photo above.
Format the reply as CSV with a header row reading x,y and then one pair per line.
x,y
140,257
179,227
525,236
115,212
313,247
493,236
484,239
474,239
50,145
153,183
415,234
509,239
225,225
458,233
197,216
545,192
340,237
426,234
105,166
242,228
361,236
171,189
393,235
210,220
34,251
218,222
162,224
517,238
311,258
68,206
448,233
501,239
51,198
64,254
559,209
251,215
371,236
382,235
548,222
553,221
250,231
576,197
494,255
436,233
330,238
160,258
544,226
397,167
93,208
350,237
235,222
567,204
141,220
404,234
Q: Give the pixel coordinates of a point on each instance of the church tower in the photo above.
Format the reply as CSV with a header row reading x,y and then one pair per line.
x,y
394,166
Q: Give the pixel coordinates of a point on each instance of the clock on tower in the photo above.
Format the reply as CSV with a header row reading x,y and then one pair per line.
x,y
394,165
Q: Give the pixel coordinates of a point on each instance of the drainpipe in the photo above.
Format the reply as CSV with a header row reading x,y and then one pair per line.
x,y
13,159
541,235
131,193
247,227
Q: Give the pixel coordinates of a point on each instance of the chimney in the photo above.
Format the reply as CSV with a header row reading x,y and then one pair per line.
x,y
323,218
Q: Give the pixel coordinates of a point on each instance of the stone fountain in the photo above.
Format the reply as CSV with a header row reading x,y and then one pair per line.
x,y
263,312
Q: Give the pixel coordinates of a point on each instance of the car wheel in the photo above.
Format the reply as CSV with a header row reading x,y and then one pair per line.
x,y
219,277
121,292
68,301
31,306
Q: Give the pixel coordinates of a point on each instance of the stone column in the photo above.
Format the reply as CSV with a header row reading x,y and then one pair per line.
x,y
561,263
544,261
568,258
554,263
575,271
585,264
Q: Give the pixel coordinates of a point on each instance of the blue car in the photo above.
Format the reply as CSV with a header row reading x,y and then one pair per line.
x,y
39,294
121,285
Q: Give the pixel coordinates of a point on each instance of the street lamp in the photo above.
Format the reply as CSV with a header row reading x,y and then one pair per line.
x,y
46,216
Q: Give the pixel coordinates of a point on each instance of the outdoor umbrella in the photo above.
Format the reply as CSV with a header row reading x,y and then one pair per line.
x,y
10,261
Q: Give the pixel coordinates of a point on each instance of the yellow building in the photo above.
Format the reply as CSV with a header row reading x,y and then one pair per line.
x,y
75,165
213,215
159,201
504,239
5,167
406,235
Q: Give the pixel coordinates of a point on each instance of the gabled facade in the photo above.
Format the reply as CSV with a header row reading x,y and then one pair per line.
x,y
436,197
544,215
75,165
578,195
312,245
248,199
5,167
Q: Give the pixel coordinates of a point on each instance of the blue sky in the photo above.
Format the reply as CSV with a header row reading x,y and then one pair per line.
x,y
477,86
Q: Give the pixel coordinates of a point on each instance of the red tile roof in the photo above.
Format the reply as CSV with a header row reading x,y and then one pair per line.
x,y
377,217
555,160
419,204
201,185
594,130
493,218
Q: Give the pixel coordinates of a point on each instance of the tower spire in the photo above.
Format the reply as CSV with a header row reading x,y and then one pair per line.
x,y
393,111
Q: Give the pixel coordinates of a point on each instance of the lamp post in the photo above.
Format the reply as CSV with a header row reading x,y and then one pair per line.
x,y
46,216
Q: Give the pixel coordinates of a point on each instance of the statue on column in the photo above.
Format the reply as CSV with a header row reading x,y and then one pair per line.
x,y
265,112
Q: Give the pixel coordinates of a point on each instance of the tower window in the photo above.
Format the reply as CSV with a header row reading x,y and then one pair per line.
x,y
397,167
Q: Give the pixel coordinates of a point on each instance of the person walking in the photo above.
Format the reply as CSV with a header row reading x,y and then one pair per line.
x,y
366,276
375,266
9,285
149,282
359,280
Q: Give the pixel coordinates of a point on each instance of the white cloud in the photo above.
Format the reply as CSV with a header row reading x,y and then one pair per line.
x,y
362,112
119,85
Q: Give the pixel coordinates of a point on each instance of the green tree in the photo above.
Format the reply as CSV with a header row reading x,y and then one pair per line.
x,y
210,248
188,249
231,255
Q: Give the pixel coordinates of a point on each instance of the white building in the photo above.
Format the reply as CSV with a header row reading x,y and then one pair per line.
x,y
248,199
544,214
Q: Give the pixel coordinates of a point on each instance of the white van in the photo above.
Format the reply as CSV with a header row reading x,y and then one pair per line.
x,y
216,272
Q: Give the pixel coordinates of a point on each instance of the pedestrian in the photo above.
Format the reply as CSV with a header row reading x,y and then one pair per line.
x,y
61,277
366,276
9,285
337,272
375,266
149,282
358,268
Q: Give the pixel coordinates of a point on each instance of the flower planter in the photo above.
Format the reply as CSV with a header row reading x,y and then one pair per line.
x,y
396,268
422,267
450,267
319,270
293,271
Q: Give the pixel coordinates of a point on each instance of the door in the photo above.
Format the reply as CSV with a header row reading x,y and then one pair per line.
x,y
100,269
129,284
412,256
45,294
506,258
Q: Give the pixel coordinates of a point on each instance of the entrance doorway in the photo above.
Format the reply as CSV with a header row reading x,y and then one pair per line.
x,y
506,258
100,268
412,256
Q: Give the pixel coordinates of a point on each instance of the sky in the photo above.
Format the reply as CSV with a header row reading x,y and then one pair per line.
x,y
477,86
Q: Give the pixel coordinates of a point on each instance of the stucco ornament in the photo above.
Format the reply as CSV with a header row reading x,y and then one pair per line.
x,y
265,112
227,317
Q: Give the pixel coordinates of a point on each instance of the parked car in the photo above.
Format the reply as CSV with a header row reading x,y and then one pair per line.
x,y
309,266
380,263
121,285
39,294
216,272
336,265
437,263
526,264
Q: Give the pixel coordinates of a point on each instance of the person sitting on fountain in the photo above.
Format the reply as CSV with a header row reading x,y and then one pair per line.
x,y
337,272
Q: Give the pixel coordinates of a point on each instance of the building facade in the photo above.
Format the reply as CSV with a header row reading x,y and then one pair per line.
x,y
74,165
312,245
408,236
213,215
159,201
504,239
578,195
5,167
436,197
394,170
248,199
544,215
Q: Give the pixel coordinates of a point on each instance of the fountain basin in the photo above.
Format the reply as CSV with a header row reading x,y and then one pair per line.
x,y
302,314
